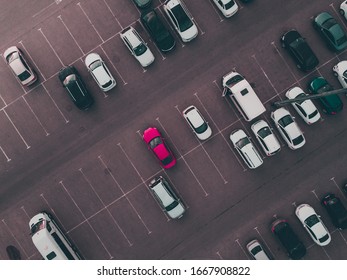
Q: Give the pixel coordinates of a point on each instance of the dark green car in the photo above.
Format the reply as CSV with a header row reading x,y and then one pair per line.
x,y
331,31
332,103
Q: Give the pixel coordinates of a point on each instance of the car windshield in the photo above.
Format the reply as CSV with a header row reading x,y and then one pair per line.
x,y
298,140
202,128
234,80
324,238
300,95
229,4
171,206
183,20
167,160
155,142
68,79
310,116
265,131
242,142
24,75
140,49
286,120
38,226
329,23
311,220
256,250
95,65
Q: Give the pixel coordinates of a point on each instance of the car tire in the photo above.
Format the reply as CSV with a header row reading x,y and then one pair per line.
x,y
342,12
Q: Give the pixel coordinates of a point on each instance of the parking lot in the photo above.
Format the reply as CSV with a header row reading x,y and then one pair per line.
x,y
91,169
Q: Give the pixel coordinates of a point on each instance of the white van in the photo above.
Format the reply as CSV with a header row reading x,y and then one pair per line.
x,y
50,240
242,95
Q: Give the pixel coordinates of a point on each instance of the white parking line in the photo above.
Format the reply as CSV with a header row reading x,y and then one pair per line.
x,y
338,14
344,239
113,14
267,245
126,197
115,68
14,237
207,154
219,255
314,193
325,251
48,42
79,209
79,4
44,9
3,100
14,126
266,76
105,207
217,11
51,210
55,104
337,186
73,38
243,250
7,158
40,123
32,60
197,180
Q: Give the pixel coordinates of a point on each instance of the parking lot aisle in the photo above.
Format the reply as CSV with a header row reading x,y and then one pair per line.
x,y
115,222
78,196
182,157
125,197
207,154
102,18
16,129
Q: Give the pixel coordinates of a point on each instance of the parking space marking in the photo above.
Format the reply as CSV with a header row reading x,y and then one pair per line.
x,y
115,68
243,250
108,7
219,255
125,196
44,9
38,120
14,126
7,158
3,100
97,32
344,239
14,237
338,14
182,157
53,212
217,12
325,251
267,245
286,63
49,43
314,193
266,76
207,154
84,217
337,186
55,104
32,60
105,207
68,30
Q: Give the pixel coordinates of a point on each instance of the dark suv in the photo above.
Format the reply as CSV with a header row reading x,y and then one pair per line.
x,y
336,210
156,28
76,88
332,103
295,248
298,48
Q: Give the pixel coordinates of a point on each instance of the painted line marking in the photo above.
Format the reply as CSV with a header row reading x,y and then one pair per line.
x,y
243,250
14,126
7,158
113,15
73,38
79,4
115,68
32,60
14,237
48,42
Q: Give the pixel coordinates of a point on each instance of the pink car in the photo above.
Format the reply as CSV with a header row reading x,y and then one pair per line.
x,y
156,143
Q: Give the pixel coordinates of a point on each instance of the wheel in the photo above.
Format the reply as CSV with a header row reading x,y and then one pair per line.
x,y
342,12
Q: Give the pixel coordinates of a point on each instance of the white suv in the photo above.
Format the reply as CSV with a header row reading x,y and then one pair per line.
x,y
137,46
181,19
246,149
167,198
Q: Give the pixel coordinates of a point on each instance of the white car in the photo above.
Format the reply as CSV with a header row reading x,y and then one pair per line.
x,y
306,109
313,224
246,149
343,9
99,71
227,7
288,128
137,46
256,250
267,140
197,123
19,66
340,71
181,20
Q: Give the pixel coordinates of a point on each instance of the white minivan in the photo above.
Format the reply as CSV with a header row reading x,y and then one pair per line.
x,y
238,89
49,240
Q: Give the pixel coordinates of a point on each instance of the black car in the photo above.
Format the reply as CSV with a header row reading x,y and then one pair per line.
x,y
299,49
76,88
295,248
156,28
142,4
336,210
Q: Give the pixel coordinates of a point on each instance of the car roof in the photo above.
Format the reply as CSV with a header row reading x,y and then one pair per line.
x,y
131,36
194,116
160,189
